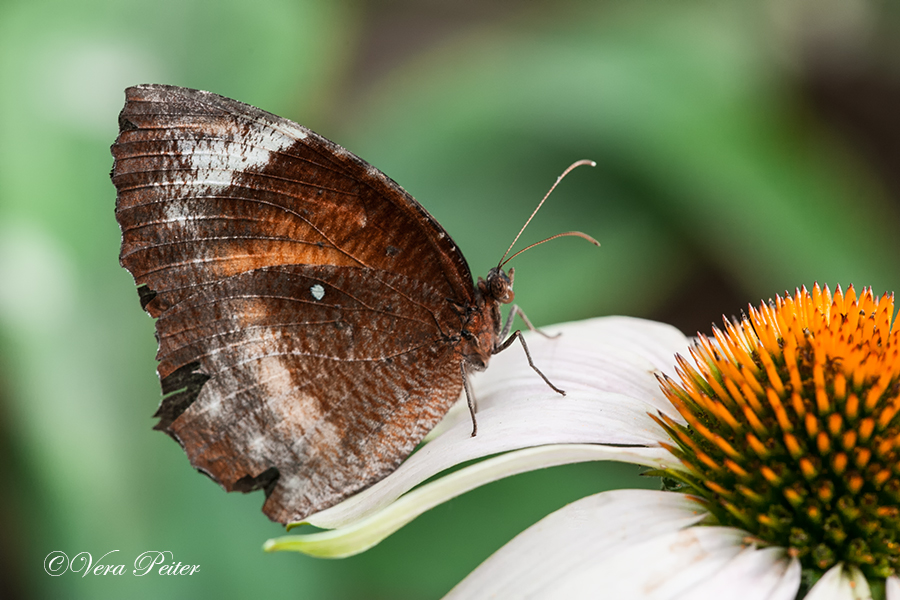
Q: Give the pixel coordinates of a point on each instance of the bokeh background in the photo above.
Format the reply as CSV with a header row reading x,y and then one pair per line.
x,y
743,149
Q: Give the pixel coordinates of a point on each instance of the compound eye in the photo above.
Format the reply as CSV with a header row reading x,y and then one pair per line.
x,y
501,289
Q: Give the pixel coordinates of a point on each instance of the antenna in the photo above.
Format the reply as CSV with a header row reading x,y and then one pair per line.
x,y
585,236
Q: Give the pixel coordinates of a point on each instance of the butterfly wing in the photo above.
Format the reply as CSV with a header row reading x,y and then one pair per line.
x,y
305,303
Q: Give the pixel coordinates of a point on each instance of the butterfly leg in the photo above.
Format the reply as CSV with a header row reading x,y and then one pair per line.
x,y
470,397
515,310
518,335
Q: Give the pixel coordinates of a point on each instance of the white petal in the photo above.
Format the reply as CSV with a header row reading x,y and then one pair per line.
x,y
552,560
892,588
656,341
365,533
577,537
671,565
786,589
764,574
579,418
840,583
608,354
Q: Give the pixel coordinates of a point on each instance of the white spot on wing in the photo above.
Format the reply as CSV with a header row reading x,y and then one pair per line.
x,y
317,291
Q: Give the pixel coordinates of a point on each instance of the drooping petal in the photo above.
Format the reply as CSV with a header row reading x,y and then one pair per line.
x,y
577,418
607,354
516,409
892,588
694,562
366,532
766,574
670,565
841,583
579,539
655,341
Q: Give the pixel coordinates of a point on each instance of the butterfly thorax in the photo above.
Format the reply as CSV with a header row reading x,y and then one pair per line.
x,y
481,332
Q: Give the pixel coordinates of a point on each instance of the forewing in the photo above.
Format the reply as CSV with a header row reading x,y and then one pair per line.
x,y
209,187
304,300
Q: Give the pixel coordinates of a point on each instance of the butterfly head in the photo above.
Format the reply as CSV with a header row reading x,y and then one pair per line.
x,y
498,285
483,321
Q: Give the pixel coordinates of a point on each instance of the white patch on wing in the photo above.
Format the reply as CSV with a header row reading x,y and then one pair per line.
x,y
299,409
177,211
292,485
323,439
275,379
214,407
234,149
292,130
317,291
258,443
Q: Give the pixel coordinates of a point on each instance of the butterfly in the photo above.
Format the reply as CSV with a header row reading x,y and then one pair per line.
x,y
314,321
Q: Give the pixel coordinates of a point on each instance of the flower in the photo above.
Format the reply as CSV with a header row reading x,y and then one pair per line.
x,y
778,445
792,430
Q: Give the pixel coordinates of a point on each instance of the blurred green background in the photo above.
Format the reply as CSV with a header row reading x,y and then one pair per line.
x,y
742,148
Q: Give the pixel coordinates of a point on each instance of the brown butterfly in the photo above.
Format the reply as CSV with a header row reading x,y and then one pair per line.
x,y
314,321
